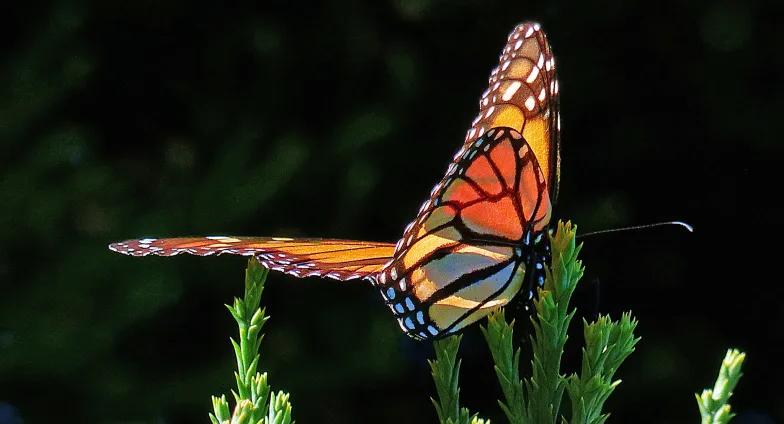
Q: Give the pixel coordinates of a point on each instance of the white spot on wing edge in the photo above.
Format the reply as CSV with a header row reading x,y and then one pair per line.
x,y
510,91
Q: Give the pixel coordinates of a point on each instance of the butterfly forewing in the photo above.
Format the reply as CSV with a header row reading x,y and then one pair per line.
x,y
523,94
338,259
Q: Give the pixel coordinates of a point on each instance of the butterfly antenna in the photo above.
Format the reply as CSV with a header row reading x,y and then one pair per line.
x,y
688,227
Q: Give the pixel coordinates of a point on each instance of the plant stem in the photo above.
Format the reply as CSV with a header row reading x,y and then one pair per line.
x,y
254,402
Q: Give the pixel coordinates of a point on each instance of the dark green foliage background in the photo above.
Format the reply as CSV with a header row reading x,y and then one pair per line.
x,y
334,119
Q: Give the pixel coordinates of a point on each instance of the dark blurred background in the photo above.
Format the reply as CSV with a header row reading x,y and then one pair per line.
x,y
128,119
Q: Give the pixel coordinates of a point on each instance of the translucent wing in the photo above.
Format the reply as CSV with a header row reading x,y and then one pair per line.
x,y
338,259
523,95
465,253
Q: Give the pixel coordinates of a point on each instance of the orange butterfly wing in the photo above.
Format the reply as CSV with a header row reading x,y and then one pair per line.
x,y
338,259
523,95
465,253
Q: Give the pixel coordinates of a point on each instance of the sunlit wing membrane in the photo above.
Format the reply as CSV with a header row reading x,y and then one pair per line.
x,y
451,311
463,256
494,191
455,285
337,259
523,95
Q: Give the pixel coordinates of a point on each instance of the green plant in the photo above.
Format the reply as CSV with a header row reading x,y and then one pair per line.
x,y
445,370
255,403
713,405
538,398
535,399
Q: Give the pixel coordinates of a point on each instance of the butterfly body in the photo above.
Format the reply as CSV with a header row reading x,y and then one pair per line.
x,y
478,241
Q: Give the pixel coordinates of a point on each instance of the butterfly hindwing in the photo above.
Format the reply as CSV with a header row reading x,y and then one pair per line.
x,y
338,259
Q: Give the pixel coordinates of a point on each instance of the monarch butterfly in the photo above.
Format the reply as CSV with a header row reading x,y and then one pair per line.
x,y
468,250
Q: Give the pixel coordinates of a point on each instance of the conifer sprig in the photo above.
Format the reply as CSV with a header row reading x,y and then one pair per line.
x,y
255,403
538,398
714,403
